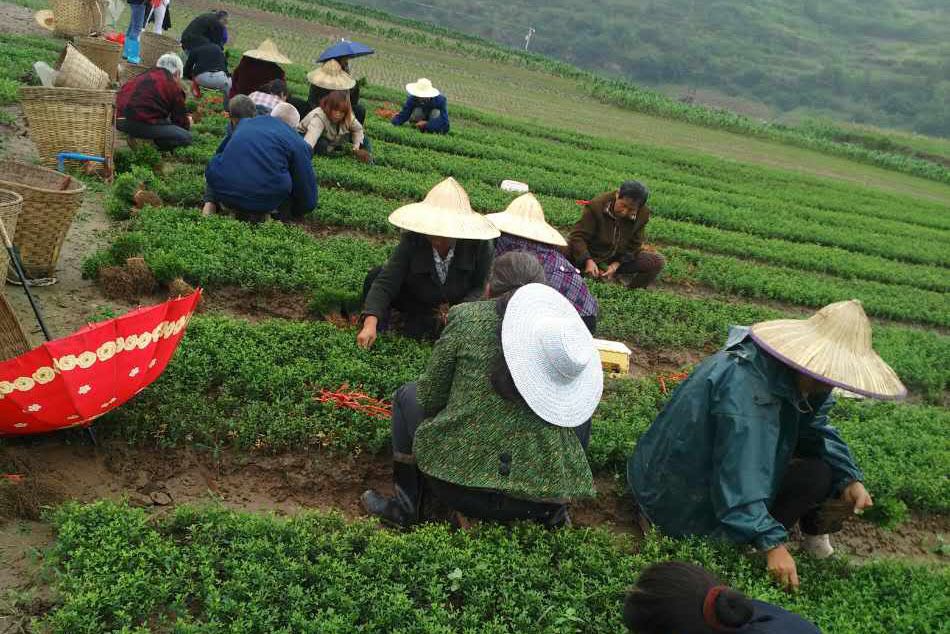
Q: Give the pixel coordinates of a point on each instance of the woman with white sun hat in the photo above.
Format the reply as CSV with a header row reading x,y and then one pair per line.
x,y
443,258
746,440
425,107
497,427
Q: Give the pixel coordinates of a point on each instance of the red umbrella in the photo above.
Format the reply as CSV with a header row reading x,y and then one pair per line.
x,y
74,380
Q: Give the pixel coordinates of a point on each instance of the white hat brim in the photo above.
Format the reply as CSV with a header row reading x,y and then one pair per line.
x,y
539,232
560,401
431,220
413,89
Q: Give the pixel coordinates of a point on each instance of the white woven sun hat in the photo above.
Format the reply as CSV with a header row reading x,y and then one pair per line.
x,y
422,88
445,212
551,356
331,76
524,217
832,346
267,51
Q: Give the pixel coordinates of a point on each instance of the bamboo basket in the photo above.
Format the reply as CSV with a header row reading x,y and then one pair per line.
x,y
78,71
152,46
50,201
77,17
70,120
13,341
103,53
10,205
129,71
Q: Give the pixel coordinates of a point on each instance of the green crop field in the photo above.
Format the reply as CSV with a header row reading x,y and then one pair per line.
x,y
751,228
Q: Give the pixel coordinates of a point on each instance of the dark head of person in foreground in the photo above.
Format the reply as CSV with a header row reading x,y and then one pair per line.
x,y
676,597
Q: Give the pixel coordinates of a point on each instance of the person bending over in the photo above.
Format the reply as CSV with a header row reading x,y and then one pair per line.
x,y
152,106
425,107
269,95
207,67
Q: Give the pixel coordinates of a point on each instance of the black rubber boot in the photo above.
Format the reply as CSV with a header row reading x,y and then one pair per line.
x,y
402,509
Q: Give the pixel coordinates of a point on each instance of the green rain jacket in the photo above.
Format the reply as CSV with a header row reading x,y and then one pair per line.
x,y
712,462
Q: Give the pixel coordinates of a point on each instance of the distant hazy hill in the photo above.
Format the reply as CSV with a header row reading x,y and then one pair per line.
x,y
885,62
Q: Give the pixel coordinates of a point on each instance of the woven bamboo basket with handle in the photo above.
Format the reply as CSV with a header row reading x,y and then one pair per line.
x,y
129,71
78,71
10,205
13,341
152,46
77,17
50,201
70,120
103,53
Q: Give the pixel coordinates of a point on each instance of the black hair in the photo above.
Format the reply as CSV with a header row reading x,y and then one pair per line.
x,y
510,272
635,191
670,596
276,87
220,14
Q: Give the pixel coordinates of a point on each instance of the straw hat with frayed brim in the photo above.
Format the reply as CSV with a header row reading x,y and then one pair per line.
x,y
268,52
422,88
832,346
524,217
331,76
45,19
445,212
551,356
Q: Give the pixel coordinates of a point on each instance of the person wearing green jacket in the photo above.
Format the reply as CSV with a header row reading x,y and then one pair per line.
x,y
743,450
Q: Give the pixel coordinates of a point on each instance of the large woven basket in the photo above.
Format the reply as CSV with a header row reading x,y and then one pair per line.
x,y
13,341
103,53
77,17
50,201
10,205
78,71
129,71
152,46
70,120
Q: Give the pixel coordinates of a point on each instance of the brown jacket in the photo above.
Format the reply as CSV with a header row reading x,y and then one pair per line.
x,y
606,239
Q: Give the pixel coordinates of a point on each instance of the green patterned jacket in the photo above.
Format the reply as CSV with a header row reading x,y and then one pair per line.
x,y
477,439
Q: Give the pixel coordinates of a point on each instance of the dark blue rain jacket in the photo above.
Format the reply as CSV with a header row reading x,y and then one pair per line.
x,y
713,460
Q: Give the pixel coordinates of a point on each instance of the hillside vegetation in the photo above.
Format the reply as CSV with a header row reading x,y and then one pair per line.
x,y
885,62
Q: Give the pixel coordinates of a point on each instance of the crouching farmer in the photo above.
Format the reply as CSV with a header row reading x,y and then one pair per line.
x,y
263,168
152,106
743,451
607,242
425,107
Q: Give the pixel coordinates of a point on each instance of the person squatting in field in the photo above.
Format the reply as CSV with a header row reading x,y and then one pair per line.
x,y
207,67
497,426
607,242
263,168
152,106
425,107
443,258
334,75
523,228
683,598
743,450
332,124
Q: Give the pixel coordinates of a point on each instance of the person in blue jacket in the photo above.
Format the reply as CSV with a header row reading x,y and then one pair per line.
x,y
425,107
675,596
743,450
263,168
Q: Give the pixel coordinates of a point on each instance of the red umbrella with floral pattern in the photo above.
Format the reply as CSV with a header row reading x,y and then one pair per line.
x,y
72,381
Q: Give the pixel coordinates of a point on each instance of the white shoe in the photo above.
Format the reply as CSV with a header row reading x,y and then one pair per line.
x,y
818,546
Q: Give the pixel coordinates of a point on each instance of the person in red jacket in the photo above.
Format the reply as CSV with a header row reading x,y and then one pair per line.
x,y
152,106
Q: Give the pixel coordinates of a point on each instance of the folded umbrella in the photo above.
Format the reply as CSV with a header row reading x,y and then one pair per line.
x,y
344,48
72,381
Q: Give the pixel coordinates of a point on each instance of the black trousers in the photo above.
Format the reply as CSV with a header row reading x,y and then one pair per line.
x,y
417,321
475,503
591,322
806,486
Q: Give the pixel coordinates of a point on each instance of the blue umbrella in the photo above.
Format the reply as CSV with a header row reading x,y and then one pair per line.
x,y
344,48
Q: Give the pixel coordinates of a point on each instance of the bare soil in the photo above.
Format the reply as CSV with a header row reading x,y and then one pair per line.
x,y
17,19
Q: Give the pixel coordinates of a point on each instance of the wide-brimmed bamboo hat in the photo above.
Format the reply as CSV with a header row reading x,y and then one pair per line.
x,y
524,217
331,76
834,347
445,212
45,19
422,88
267,51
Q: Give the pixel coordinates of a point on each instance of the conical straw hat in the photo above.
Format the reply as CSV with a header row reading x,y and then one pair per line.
x,y
331,76
445,212
834,347
267,51
524,217
45,19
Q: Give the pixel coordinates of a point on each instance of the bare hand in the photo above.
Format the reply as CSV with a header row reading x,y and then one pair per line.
x,y
591,269
367,335
858,497
781,567
421,125
611,271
